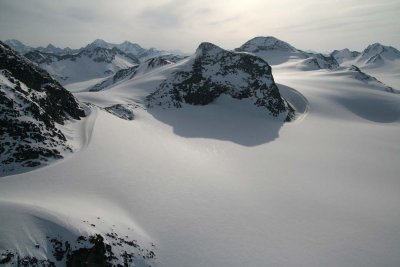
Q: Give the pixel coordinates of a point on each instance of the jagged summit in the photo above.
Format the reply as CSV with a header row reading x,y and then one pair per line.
x,y
215,71
265,44
50,46
377,53
97,43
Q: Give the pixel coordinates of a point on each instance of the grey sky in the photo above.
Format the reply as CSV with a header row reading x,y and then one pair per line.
x,y
321,25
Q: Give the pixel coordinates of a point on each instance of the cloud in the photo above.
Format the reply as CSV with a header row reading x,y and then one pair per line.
x,y
183,24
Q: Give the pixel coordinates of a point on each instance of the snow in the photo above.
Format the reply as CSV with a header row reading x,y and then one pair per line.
x,y
377,60
224,184
83,86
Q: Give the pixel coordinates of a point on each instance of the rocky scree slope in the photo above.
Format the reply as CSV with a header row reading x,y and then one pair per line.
x,y
32,104
213,72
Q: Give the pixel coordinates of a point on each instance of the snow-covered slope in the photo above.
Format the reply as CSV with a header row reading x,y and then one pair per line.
x,y
276,52
359,75
377,54
129,48
317,62
344,55
222,184
33,106
377,60
87,64
135,71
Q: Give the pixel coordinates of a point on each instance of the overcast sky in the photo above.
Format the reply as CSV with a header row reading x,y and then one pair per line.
x,y
320,25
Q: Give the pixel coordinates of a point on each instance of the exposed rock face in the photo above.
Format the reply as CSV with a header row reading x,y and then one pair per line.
x,y
31,105
214,71
95,250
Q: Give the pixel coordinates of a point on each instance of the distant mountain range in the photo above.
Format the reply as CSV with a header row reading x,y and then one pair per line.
x,y
374,55
157,126
101,59
98,59
127,47
276,51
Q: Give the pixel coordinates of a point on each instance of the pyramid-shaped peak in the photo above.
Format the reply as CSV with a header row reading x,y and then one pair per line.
x,y
378,49
127,43
50,46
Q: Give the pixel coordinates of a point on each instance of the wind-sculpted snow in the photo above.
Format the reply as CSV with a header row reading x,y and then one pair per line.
x,y
214,72
222,184
361,76
92,240
32,104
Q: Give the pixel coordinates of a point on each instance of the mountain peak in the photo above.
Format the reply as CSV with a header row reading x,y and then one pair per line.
x,y
13,41
215,72
266,43
50,46
99,41
377,52
206,48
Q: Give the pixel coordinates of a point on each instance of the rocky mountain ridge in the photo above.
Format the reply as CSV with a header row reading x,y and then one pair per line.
x,y
32,106
214,71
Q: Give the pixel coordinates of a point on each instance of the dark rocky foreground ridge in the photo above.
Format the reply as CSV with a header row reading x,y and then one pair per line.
x,y
214,71
31,104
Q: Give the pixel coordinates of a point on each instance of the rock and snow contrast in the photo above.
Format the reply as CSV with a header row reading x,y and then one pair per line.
x,y
33,106
379,61
188,161
81,69
214,72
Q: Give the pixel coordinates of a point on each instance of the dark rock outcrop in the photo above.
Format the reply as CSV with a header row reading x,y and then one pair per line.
x,y
213,72
31,105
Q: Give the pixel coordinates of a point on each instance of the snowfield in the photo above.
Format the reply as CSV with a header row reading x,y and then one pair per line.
x,y
225,184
